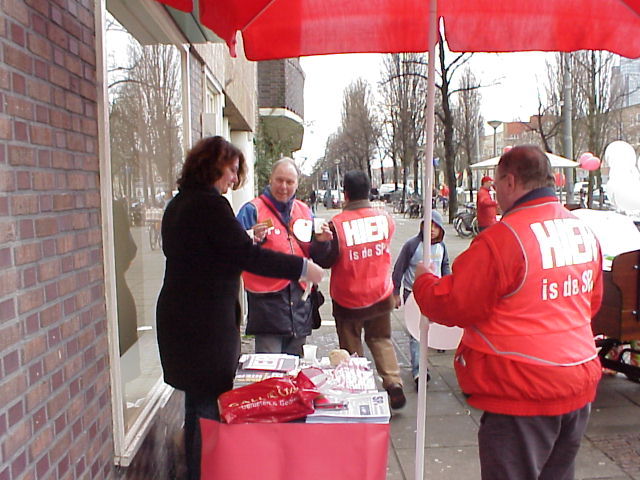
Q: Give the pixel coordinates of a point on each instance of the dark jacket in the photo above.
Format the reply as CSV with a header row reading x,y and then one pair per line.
x,y
198,313
276,313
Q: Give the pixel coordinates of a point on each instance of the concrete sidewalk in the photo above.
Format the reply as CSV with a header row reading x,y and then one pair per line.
x,y
610,450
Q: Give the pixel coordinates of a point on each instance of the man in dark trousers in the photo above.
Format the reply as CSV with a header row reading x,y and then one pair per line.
x,y
279,314
525,292
361,286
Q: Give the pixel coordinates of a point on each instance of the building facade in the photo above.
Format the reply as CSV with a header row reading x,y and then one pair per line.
x,y
99,101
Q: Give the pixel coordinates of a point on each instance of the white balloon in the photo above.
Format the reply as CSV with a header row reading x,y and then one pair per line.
x,y
624,176
440,337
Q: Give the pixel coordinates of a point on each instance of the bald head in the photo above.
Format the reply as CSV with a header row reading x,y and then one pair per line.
x,y
284,179
520,170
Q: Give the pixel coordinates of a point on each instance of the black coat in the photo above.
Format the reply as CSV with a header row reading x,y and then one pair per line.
x,y
198,313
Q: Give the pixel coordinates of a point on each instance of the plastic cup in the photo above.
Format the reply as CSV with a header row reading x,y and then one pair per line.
x,y
310,352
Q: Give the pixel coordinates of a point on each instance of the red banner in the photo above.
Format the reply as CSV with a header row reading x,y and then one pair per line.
x,y
273,451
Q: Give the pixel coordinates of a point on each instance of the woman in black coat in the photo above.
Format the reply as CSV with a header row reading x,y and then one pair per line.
x,y
198,312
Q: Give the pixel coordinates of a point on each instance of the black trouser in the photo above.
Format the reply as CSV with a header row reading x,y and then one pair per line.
x,y
196,407
531,448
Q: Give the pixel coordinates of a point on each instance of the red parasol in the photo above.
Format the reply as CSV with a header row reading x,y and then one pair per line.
x,y
291,28
274,29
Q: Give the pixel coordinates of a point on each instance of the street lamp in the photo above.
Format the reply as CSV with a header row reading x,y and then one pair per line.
x,y
494,124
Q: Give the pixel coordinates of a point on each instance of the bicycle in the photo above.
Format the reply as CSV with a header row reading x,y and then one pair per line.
x,y
466,222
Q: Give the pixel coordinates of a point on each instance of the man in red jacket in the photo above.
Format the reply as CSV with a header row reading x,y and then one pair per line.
x,y
487,207
361,288
524,292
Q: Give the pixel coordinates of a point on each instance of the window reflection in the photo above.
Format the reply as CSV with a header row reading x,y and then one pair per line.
x,y
146,138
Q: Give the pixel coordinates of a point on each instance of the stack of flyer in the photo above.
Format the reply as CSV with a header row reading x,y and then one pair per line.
x,y
255,367
368,407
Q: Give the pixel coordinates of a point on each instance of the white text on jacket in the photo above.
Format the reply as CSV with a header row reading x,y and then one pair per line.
x,y
365,230
564,242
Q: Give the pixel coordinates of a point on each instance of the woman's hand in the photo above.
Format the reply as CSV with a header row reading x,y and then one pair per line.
x,y
315,273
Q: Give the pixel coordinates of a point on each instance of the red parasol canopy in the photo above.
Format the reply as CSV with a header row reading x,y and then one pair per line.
x,y
291,28
274,29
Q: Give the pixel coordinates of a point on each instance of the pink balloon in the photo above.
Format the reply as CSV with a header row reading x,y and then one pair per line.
x,y
584,157
591,163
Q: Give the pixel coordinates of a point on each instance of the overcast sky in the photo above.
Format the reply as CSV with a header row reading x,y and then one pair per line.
x,y
513,94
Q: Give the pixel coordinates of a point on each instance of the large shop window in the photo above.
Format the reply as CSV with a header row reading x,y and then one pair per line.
x,y
146,137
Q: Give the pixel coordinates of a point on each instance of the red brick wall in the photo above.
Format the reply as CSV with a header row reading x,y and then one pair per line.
x,y
55,413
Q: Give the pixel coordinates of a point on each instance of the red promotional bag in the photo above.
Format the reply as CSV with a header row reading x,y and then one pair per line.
x,y
269,401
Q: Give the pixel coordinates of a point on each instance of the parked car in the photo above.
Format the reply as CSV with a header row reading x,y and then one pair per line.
x,y
332,199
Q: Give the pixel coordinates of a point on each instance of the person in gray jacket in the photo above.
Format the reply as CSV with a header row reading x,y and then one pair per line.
x,y
404,272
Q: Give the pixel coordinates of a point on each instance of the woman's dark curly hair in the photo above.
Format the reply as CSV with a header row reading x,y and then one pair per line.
x,y
205,162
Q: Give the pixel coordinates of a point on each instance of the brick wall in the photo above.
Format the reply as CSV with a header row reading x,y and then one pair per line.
x,y
281,84
55,414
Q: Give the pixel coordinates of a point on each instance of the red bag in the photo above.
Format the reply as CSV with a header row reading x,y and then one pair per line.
x,y
269,401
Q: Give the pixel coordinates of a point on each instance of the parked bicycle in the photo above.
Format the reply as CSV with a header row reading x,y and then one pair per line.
x,y
466,222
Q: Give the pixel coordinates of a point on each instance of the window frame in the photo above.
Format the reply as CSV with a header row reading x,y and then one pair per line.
x,y
127,443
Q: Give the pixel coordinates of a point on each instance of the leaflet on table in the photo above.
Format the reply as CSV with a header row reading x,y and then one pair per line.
x,y
245,377
279,362
372,407
352,376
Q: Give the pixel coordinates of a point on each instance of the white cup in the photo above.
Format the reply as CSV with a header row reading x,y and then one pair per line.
x,y
317,225
309,352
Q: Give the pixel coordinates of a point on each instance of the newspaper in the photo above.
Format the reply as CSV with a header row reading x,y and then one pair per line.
x,y
371,407
277,362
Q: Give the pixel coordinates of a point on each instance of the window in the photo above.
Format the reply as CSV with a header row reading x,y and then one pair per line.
x,y
145,145
212,123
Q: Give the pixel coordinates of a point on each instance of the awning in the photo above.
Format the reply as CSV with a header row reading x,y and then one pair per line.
x,y
556,162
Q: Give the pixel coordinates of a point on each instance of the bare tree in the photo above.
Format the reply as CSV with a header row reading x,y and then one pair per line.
x,y
467,121
448,66
359,127
594,102
146,118
403,88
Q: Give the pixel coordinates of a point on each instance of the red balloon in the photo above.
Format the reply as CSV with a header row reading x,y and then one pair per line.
x,y
591,163
584,157
560,180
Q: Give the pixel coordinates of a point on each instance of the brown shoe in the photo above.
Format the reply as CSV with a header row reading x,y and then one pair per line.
x,y
396,397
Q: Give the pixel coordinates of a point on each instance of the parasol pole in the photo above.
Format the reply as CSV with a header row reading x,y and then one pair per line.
x,y
427,183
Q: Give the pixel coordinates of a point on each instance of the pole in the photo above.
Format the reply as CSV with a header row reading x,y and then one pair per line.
x,y
567,131
495,145
494,124
421,417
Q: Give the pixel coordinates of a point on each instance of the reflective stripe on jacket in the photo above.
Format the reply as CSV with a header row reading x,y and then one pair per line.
x,y
561,257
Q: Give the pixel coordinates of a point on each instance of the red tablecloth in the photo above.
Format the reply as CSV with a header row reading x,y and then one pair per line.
x,y
273,451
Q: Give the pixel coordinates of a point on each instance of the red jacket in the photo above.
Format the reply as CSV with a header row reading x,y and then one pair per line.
x,y
361,275
528,348
487,208
279,240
